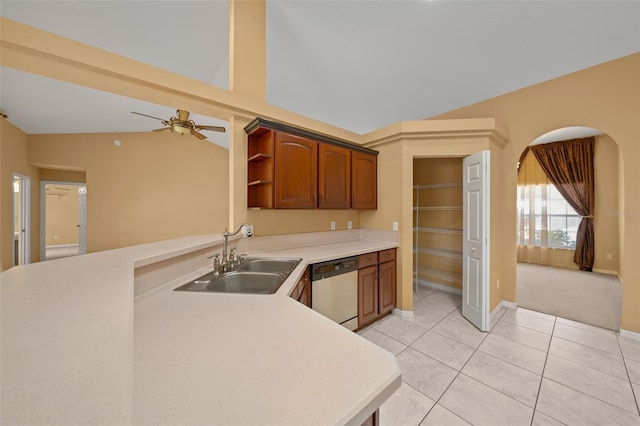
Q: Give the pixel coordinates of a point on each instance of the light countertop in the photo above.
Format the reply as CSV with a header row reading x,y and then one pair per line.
x,y
77,347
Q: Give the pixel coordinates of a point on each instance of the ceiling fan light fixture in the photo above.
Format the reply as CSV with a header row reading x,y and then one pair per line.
x,y
181,124
181,128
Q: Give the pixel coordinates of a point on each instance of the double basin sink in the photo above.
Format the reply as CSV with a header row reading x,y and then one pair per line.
x,y
255,275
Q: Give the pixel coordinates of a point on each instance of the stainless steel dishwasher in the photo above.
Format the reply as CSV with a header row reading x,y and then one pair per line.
x,y
334,290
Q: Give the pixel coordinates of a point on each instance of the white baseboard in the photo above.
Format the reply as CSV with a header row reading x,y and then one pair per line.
x,y
503,304
631,335
606,271
401,313
437,286
506,304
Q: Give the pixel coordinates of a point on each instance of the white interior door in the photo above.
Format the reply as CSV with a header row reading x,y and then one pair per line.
x,y
82,220
475,246
21,220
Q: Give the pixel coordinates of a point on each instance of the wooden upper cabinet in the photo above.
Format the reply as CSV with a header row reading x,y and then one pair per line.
x,y
364,180
334,177
296,175
290,168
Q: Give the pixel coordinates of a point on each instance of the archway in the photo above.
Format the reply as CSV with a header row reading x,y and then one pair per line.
x,y
548,280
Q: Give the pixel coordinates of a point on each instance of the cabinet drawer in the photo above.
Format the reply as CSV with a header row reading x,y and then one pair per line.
x,y
387,255
368,259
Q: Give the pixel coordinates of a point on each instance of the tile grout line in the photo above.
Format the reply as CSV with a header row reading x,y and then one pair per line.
x,y
544,367
457,374
624,361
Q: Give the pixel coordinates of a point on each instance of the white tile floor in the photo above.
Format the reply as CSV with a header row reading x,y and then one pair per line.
x,y
531,369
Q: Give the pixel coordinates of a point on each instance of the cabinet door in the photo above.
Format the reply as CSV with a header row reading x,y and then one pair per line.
x,y
367,295
364,180
387,288
296,161
334,177
304,296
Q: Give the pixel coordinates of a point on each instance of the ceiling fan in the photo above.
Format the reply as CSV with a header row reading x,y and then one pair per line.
x,y
181,124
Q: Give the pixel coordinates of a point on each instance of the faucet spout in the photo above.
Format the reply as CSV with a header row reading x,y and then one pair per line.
x,y
246,230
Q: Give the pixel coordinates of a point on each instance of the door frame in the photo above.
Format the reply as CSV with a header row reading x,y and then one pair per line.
x,y
82,215
24,235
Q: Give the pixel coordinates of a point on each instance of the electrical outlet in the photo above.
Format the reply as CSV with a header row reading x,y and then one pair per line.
x,y
333,225
609,256
394,226
349,224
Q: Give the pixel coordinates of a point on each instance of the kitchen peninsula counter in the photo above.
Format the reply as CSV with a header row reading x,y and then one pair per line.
x,y
78,348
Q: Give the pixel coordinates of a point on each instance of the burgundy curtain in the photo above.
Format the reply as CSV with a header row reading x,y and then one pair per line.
x,y
569,166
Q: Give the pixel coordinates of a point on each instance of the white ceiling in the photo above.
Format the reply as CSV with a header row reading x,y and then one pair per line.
x,y
359,65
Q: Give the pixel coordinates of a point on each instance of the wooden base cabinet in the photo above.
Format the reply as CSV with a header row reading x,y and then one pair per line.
x,y
302,290
376,286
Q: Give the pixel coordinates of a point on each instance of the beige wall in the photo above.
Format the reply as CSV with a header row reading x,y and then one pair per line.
x,y
63,175
399,145
606,222
605,97
62,217
153,187
13,159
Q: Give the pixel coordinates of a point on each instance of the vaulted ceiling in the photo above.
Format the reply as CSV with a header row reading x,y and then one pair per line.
x,y
358,65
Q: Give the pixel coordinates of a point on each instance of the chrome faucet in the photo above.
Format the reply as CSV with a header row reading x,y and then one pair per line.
x,y
227,263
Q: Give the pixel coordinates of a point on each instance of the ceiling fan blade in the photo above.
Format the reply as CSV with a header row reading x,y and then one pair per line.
x,y
211,128
164,129
145,115
198,135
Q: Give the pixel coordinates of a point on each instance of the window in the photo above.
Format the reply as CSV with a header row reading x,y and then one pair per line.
x,y
545,218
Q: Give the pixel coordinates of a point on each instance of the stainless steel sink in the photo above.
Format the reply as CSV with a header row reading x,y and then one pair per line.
x,y
268,265
246,282
253,275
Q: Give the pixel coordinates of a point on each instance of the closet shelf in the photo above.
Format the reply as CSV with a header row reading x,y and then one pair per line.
x,y
436,208
439,252
438,185
443,275
437,222
438,230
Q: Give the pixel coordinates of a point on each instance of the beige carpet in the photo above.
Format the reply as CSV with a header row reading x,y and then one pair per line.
x,y
587,297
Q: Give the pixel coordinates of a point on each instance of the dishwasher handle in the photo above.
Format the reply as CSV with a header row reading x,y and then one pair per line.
x,y
333,267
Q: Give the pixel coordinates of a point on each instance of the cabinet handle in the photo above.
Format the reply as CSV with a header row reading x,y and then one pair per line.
x,y
321,198
314,198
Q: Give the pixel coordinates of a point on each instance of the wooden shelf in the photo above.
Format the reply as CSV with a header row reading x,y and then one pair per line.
x,y
259,157
259,182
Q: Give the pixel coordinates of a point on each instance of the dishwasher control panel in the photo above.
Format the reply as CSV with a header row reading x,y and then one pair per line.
x,y
333,267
